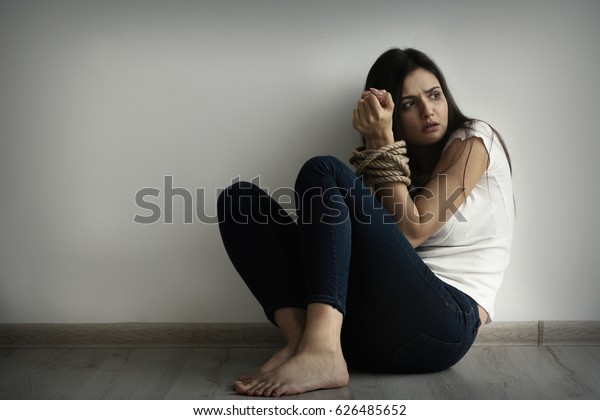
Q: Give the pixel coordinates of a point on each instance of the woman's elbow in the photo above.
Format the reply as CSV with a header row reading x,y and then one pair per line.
x,y
413,233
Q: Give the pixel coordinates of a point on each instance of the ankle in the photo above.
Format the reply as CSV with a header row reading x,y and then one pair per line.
x,y
319,344
291,322
323,328
292,345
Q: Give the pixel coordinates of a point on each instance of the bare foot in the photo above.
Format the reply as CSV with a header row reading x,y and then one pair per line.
x,y
278,359
291,321
306,371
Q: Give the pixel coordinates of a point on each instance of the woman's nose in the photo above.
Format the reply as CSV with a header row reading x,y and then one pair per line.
x,y
427,110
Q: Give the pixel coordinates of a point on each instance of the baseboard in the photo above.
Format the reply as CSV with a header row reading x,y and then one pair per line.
x,y
140,335
534,333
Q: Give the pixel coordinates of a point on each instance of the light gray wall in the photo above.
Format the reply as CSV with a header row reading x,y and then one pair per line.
x,y
99,99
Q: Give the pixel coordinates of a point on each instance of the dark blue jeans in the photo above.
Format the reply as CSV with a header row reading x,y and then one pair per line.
x,y
345,250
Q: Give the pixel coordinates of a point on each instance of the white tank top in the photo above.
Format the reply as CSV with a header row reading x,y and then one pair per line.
x,y
471,250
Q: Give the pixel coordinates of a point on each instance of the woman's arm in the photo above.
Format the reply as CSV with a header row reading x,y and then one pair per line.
x,y
454,176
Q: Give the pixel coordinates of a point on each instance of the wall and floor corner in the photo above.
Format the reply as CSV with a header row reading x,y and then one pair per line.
x,y
102,100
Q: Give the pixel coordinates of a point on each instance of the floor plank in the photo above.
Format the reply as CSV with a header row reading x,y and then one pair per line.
x,y
200,377
47,374
582,367
138,374
496,372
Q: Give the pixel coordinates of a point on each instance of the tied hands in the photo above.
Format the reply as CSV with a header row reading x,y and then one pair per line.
x,y
372,118
381,160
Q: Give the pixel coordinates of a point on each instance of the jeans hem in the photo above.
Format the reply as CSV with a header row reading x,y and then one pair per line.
x,y
328,300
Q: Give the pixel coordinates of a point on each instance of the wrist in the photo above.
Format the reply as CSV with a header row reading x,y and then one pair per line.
x,y
377,142
386,165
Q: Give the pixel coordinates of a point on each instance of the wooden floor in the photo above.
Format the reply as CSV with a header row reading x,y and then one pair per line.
x,y
494,372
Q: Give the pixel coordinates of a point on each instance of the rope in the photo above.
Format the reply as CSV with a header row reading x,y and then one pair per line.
x,y
386,164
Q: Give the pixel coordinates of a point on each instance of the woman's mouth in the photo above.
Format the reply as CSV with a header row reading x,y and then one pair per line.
x,y
430,128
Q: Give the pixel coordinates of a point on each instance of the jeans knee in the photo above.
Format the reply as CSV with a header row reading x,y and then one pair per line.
x,y
320,165
230,197
238,188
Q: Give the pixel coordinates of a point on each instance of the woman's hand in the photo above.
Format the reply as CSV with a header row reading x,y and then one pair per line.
x,y
373,118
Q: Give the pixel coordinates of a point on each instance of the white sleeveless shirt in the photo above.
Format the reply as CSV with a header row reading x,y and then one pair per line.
x,y
471,250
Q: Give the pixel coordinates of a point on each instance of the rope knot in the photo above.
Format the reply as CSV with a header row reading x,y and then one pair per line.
x,y
386,164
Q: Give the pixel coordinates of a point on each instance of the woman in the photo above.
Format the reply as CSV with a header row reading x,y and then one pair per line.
x,y
399,280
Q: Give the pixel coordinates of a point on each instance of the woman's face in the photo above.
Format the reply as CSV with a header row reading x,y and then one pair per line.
x,y
423,109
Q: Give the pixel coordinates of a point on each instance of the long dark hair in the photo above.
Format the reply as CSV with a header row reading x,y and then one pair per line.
x,y
389,71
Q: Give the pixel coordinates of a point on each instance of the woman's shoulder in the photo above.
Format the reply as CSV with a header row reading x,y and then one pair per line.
x,y
474,128
497,153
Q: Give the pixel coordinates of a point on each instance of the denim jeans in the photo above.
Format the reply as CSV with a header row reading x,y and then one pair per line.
x,y
345,250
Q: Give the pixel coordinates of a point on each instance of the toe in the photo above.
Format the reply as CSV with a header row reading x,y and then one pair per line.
x,y
278,391
244,378
269,391
243,387
259,390
239,387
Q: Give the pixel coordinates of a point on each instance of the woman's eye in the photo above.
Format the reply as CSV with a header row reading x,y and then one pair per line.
x,y
435,95
408,105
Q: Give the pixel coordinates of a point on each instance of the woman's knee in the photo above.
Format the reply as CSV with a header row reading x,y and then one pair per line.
x,y
322,164
232,197
317,167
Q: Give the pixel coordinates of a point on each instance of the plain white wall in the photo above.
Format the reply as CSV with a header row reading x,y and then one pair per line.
x,y
99,99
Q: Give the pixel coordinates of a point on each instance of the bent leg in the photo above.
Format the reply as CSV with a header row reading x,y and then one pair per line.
x,y
262,243
399,315
324,231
